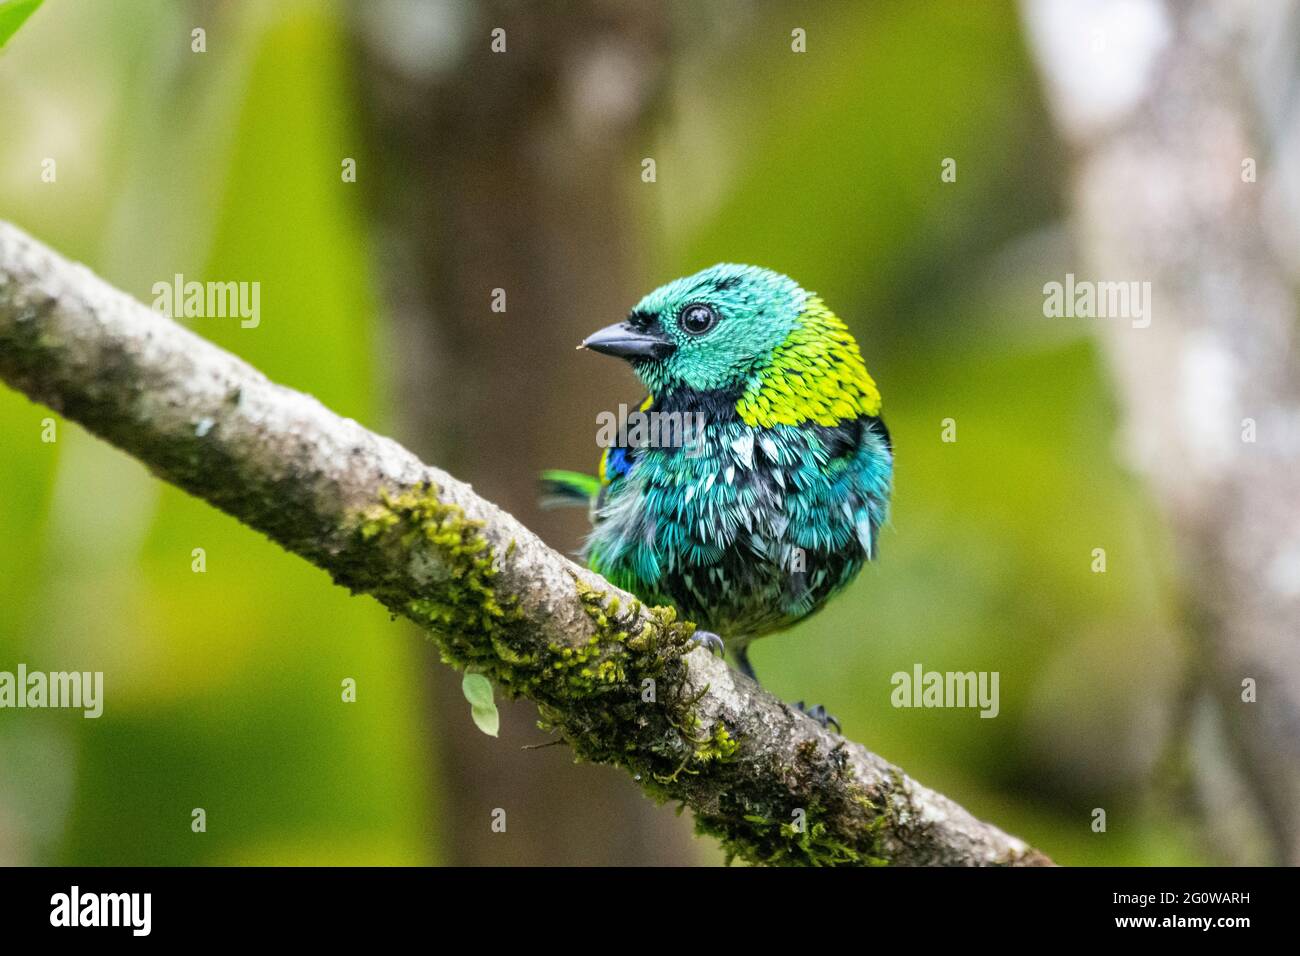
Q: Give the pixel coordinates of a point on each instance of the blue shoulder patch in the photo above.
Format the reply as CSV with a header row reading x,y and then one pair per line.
x,y
617,463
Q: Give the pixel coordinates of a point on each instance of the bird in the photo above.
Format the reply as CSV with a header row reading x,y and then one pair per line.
x,y
774,497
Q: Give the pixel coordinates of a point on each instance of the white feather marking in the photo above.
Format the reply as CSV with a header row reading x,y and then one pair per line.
x,y
864,534
743,447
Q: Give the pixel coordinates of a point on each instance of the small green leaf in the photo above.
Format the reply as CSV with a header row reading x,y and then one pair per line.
x,y
478,691
12,15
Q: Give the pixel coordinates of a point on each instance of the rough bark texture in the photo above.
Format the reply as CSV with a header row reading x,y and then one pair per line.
x,y
618,681
1185,121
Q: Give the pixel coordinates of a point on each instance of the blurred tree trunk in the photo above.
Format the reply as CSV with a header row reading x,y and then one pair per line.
x,y
1185,124
511,171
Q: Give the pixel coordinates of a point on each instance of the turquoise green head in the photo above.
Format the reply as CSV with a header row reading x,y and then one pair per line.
x,y
751,333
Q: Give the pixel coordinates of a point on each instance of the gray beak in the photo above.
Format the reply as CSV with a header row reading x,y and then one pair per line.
x,y
627,342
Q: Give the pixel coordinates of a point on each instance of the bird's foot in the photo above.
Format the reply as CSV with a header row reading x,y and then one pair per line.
x,y
709,641
818,713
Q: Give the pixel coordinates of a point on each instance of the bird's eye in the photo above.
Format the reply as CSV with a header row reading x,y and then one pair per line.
x,y
696,319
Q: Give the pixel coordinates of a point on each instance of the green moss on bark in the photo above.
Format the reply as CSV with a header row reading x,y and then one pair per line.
x,y
842,826
427,542
615,697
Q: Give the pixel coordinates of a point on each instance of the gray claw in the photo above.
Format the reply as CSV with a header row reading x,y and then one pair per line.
x,y
710,641
818,713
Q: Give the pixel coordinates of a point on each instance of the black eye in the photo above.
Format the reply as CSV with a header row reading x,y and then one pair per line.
x,y
697,319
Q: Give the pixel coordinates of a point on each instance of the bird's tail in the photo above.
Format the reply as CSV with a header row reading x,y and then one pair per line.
x,y
562,488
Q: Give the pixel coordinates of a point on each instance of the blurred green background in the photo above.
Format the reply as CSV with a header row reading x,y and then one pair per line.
x,y
523,171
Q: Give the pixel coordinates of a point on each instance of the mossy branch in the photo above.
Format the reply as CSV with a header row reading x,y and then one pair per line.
x,y
622,683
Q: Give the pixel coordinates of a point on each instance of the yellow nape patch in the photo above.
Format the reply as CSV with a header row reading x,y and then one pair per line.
x,y
816,375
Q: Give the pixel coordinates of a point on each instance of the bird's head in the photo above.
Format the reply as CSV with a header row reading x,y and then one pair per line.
x,y
750,334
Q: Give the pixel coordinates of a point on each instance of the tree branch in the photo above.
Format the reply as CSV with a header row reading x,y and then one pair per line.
x,y
620,682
